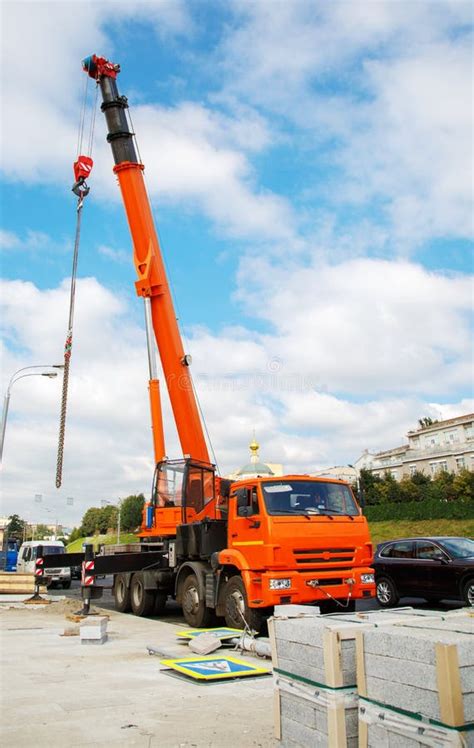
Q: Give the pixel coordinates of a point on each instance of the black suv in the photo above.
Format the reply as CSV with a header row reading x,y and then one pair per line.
x,y
432,568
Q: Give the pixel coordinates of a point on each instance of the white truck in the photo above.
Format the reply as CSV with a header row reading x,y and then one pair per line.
x,y
27,559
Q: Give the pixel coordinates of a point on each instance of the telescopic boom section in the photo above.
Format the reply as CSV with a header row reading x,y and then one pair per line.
x,y
152,282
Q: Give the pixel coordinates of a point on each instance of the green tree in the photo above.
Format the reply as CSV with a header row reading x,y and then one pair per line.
x,y
441,488
16,527
42,532
463,486
410,490
389,490
108,518
91,521
368,486
426,421
131,512
75,534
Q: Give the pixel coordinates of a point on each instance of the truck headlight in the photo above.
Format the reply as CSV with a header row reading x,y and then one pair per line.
x,y
367,579
280,584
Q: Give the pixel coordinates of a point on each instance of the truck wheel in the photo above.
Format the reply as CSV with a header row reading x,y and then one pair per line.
x,y
66,585
142,600
386,592
468,592
237,609
121,594
160,603
194,607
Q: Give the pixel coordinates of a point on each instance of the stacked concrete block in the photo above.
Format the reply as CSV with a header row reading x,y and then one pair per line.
x,y
315,673
93,630
315,679
416,683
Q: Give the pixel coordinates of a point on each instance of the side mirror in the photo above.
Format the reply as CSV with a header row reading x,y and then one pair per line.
x,y
241,495
244,511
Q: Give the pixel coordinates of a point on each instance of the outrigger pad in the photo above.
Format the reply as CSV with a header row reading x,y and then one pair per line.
x,y
214,668
221,633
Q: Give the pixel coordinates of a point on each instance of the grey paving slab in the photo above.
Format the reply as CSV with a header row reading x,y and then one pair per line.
x,y
57,692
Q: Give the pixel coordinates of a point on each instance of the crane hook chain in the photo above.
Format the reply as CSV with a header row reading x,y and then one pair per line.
x,y
68,345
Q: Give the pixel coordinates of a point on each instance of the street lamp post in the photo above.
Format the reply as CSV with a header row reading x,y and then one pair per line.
x,y
15,378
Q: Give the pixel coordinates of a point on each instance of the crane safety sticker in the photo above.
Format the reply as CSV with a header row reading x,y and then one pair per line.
x,y
214,668
221,633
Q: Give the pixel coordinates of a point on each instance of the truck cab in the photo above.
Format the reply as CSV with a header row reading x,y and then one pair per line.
x,y
259,542
299,539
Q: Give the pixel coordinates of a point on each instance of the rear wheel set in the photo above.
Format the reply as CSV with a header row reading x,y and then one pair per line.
x,y
136,597
194,604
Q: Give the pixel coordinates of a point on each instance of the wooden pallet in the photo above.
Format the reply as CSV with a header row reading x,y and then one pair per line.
x,y
12,583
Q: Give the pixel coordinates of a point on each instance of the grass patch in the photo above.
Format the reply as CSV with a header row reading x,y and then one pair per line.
x,y
390,530
96,540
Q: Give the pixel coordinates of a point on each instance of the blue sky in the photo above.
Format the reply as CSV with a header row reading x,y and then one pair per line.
x,y
310,170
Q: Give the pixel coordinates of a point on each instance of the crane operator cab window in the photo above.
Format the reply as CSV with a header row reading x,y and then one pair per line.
x,y
181,483
200,486
168,484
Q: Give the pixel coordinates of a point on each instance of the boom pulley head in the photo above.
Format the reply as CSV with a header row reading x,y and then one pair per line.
x,y
96,66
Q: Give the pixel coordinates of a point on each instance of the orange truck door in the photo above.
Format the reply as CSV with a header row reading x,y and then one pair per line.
x,y
245,527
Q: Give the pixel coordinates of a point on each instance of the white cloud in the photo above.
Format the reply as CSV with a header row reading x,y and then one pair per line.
x,y
358,327
198,155
381,90
117,255
390,330
9,240
193,154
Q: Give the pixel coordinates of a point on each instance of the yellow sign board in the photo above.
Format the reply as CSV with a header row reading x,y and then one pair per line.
x,y
214,668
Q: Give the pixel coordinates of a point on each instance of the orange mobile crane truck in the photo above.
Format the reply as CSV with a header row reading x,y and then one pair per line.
x,y
220,548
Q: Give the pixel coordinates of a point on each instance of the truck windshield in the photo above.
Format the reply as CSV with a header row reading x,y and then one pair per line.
x,y
309,498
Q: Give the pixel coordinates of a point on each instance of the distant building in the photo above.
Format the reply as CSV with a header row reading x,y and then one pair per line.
x,y
341,472
3,526
255,468
443,445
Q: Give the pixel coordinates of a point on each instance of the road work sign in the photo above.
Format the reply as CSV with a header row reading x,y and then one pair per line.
x,y
213,668
221,633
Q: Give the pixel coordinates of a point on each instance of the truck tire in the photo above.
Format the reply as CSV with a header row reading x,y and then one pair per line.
x,y
66,585
194,605
142,600
121,594
236,606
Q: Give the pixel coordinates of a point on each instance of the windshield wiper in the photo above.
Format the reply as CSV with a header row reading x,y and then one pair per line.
x,y
329,512
289,513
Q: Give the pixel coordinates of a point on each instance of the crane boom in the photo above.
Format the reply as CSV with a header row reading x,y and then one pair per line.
x,y
152,283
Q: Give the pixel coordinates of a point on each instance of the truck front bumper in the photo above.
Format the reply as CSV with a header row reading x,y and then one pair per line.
x,y
274,588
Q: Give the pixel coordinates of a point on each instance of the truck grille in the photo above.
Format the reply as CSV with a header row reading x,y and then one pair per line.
x,y
324,559
324,556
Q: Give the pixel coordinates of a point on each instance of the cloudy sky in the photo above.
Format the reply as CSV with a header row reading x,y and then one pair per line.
x,y
310,169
